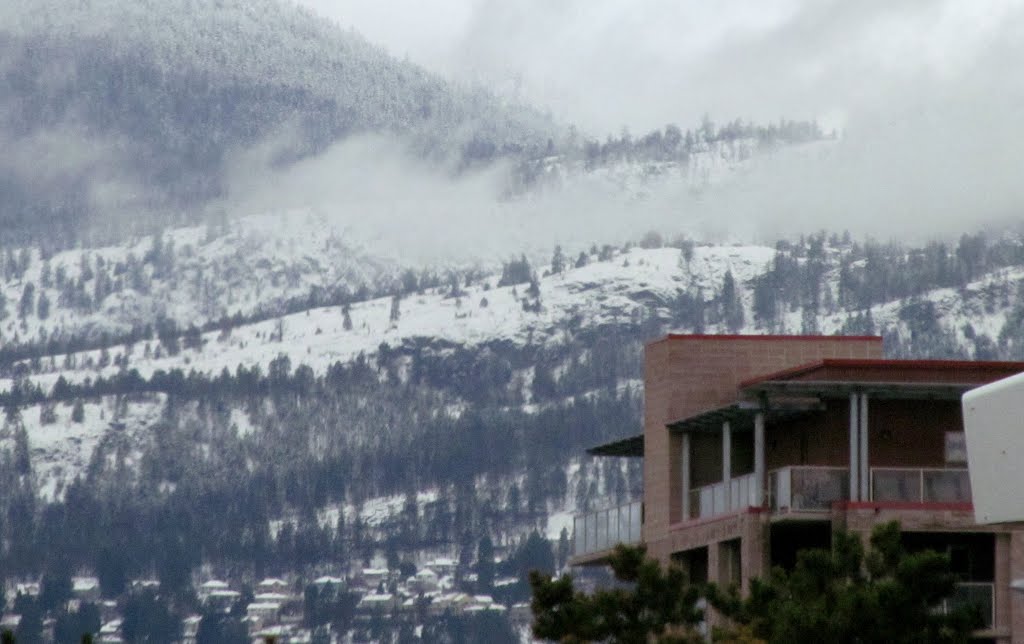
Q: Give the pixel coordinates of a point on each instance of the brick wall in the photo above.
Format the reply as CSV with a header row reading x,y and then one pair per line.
x,y
684,375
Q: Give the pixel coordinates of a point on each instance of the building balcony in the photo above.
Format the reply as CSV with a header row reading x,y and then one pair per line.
x,y
920,485
596,532
813,489
807,488
734,495
977,594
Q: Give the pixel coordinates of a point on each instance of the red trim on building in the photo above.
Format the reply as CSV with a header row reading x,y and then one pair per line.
x,y
902,505
983,365
784,374
1007,367
772,338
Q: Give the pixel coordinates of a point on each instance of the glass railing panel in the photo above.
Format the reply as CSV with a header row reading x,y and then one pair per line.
x,y
604,529
740,492
810,488
706,503
579,534
817,488
635,521
947,486
779,488
901,485
720,498
622,527
920,485
592,532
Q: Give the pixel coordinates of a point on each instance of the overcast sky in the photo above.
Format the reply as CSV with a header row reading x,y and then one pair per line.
x,y
928,95
604,64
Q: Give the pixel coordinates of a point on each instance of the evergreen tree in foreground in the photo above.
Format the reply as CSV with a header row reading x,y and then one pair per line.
x,y
849,595
838,595
655,604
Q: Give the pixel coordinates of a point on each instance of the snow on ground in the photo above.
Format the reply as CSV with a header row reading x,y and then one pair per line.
x,y
557,521
597,294
62,449
241,422
376,511
956,308
258,261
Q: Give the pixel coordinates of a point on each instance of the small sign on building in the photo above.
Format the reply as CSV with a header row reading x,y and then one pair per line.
x,y
956,447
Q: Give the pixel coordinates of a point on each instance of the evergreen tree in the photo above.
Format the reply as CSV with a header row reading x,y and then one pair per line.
x,y
516,272
347,321
563,547
396,311
557,261
26,306
485,565
43,306
731,306
837,595
847,595
55,588
535,555
657,606
147,619
78,411
30,628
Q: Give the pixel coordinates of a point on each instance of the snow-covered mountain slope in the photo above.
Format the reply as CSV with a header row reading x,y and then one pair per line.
x,y
61,448
630,285
276,271
189,275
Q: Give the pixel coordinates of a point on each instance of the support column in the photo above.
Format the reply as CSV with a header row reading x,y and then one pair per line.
x,y
854,449
759,459
865,466
685,467
1016,572
1002,579
726,451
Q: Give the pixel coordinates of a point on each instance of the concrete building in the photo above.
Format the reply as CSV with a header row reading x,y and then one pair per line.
x,y
757,446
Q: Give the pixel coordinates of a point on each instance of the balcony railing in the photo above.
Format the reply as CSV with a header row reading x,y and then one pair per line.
x,y
603,529
920,485
807,488
979,595
722,498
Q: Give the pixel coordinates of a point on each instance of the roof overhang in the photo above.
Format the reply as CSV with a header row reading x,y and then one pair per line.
x,y
842,389
740,415
629,447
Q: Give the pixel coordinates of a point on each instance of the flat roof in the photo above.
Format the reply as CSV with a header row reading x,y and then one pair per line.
x,y
770,338
892,372
632,446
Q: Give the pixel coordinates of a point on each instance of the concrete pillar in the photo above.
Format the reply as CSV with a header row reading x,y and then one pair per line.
x,y
684,458
754,549
726,451
759,459
865,465
1002,581
714,562
1016,598
854,449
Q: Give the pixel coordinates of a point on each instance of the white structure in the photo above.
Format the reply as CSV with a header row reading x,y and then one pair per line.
x,y
994,431
86,588
264,612
273,585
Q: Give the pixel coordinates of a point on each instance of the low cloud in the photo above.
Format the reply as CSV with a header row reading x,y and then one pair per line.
x,y
926,95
